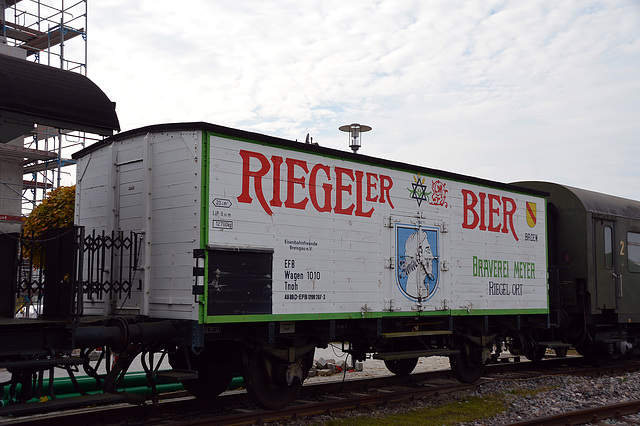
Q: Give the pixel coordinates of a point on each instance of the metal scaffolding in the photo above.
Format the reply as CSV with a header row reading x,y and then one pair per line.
x,y
53,33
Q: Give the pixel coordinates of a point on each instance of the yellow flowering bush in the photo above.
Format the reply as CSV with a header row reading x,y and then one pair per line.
x,y
55,211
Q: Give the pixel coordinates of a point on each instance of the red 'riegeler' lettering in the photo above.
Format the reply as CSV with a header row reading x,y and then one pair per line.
x,y
340,189
371,186
275,201
385,186
359,190
325,186
292,180
247,174
351,190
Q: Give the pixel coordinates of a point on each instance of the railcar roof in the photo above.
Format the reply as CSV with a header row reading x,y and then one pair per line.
x,y
271,140
597,202
593,202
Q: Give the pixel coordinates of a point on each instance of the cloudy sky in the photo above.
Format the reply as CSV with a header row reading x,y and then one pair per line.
x,y
503,90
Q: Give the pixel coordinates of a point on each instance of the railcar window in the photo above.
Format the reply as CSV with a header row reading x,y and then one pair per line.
x,y
608,247
633,248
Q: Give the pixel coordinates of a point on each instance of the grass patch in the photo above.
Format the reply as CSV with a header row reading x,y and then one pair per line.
x,y
451,413
468,409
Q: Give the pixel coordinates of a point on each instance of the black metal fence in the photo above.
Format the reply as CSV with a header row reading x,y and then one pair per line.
x,y
64,267
111,264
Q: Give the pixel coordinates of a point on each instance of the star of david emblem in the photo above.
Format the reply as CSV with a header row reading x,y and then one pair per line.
x,y
419,191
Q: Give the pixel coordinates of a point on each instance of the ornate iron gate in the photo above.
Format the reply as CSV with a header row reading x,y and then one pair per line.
x,y
57,271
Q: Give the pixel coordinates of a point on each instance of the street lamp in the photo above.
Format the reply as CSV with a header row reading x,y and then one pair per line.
x,y
354,131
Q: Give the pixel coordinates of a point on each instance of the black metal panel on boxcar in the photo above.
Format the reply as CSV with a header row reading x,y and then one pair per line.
x,y
240,282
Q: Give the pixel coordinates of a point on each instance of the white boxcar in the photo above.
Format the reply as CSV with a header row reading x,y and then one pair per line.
x,y
287,231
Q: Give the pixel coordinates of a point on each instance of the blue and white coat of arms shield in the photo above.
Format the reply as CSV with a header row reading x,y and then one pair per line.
x,y
417,261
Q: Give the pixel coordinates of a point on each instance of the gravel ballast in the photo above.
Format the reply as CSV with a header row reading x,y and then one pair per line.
x,y
525,398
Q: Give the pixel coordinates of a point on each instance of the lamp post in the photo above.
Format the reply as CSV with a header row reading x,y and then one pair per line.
x,y
355,131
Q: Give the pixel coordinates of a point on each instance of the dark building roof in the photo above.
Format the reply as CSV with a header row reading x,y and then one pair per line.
x,y
33,93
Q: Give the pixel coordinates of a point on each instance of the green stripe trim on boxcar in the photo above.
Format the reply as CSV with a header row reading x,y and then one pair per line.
x,y
204,221
316,317
480,312
546,251
368,315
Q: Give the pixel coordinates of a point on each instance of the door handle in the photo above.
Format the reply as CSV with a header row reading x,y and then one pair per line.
x,y
618,284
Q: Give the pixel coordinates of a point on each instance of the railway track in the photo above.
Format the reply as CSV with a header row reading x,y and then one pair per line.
x,y
622,412
317,399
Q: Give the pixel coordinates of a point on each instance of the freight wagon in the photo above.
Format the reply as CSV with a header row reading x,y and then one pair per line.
x,y
257,250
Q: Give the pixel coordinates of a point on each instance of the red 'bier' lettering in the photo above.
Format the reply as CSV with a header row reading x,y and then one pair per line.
x,y
473,212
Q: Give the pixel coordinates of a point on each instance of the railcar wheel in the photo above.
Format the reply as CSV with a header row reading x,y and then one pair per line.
x,y
213,377
273,384
467,365
401,367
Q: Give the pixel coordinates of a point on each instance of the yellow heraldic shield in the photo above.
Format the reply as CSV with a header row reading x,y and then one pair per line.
x,y
532,214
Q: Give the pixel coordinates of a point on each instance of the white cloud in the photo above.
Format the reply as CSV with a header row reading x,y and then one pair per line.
x,y
505,90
